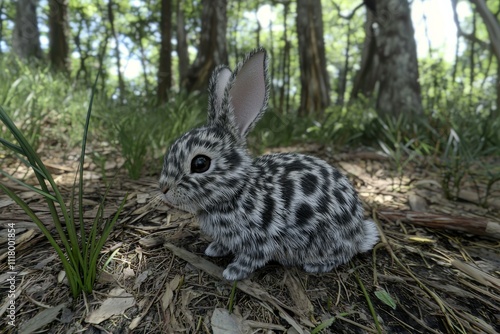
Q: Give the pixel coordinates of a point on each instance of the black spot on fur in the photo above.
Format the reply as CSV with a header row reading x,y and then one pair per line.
x,y
353,231
233,159
224,223
339,196
323,204
248,205
288,192
354,207
344,217
304,213
267,215
295,166
309,183
337,174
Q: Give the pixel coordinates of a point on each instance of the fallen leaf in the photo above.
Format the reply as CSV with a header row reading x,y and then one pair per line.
x,y
417,203
41,319
142,198
118,303
224,322
298,295
140,279
385,298
168,295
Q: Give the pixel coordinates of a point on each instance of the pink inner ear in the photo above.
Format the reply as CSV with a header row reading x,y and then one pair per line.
x,y
248,92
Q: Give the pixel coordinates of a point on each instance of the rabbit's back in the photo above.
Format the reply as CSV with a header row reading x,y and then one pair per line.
x,y
316,214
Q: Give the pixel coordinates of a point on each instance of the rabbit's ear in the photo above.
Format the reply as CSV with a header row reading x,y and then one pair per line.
x,y
249,91
216,90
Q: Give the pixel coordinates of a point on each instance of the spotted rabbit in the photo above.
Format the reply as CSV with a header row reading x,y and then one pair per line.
x,y
292,208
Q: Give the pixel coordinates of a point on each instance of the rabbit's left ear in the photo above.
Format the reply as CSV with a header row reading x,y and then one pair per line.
x,y
248,91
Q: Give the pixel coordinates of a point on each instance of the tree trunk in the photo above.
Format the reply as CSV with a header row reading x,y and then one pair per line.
x,y
315,86
121,82
399,87
26,36
212,50
367,76
144,57
165,68
1,25
182,48
493,28
58,35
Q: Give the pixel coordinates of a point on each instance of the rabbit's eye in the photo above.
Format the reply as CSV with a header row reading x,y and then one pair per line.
x,y
200,164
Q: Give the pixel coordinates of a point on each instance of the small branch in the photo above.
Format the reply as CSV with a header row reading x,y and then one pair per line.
x,y
475,225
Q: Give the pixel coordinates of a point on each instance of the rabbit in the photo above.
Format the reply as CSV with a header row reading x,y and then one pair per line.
x,y
291,208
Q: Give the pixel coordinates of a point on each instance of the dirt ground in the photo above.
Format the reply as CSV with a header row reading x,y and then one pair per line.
x,y
436,269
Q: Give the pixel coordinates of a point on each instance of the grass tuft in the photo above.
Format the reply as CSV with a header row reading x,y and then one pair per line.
x,y
79,253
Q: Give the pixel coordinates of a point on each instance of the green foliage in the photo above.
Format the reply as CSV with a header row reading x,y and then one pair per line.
x,y
143,130
79,254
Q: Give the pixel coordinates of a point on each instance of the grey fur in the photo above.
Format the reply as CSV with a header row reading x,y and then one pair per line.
x,y
292,208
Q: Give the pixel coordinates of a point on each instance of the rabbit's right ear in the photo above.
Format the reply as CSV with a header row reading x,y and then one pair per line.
x,y
216,90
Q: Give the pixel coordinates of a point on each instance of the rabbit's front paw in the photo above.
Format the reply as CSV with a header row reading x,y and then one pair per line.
x,y
216,249
235,272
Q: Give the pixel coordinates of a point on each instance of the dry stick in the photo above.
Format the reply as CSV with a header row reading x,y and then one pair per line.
x,y
475,225
349,321
250,288
442,306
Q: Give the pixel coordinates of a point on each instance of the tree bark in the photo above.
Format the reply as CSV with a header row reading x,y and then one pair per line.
x,y
493,28
58,35
212,50
121,82
1,25
315,86
165,66
367,76
399,91
26,36
182,48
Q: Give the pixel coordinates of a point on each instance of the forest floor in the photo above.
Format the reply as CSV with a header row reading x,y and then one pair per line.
x,y
418,279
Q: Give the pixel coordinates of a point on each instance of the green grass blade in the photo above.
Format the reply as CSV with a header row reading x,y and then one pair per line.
x,y
73,279
11,146
105,234
80,167
325,324
34,160
30,187
369,302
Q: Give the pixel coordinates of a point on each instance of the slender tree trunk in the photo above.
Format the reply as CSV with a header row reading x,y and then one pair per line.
x,y
399,87
165,68
143,58
315,85
1,25
58,35
26,36
121,82
212,50
182,48
342,85
493,28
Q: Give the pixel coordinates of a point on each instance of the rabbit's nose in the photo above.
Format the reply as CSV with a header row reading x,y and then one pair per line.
x,y
164,189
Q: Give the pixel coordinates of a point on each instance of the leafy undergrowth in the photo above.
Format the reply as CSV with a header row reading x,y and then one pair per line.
x,y
157,280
